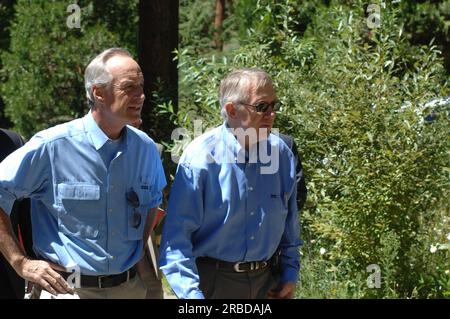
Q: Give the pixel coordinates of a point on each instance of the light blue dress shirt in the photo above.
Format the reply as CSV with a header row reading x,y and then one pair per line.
x,y
77,179
223,206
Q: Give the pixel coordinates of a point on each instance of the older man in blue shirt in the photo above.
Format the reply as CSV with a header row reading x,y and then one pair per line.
x,y
232,229
95,183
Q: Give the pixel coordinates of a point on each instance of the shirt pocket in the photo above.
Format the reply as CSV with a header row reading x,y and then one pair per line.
x,y
136,225
278,202
80,212
276,209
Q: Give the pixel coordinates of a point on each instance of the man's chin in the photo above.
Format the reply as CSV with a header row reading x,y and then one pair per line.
x,y
136,122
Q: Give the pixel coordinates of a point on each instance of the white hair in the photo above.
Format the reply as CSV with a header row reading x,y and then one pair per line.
x,y
97,74
235,87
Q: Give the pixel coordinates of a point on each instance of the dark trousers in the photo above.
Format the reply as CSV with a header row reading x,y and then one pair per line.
x,y
227,284
12,286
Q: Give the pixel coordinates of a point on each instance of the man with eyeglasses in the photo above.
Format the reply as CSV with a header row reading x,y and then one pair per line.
x,y
231,229
95,184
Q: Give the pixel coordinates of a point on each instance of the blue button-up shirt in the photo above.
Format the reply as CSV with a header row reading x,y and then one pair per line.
x,y
230,205
77,179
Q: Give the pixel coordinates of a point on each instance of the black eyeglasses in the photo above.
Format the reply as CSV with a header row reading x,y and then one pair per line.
x,y
262,107
133,200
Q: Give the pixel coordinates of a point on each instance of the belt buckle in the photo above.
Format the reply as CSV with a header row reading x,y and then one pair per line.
x,y
236,267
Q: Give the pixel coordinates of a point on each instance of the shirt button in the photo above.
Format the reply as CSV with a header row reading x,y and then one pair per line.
x,y
250,188
110,210
252,238
252,213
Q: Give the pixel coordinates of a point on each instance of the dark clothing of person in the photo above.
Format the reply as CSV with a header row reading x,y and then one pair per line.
x,y
219,282
11,284
301,184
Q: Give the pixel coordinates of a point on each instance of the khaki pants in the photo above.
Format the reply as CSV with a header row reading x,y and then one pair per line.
x,y
133,289
152,283
150,275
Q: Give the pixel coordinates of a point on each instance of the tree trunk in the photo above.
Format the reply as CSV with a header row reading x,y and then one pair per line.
x,y
218,21
158,38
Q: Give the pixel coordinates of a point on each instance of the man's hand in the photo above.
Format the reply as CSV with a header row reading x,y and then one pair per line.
x,y
282,291
43,273
38,271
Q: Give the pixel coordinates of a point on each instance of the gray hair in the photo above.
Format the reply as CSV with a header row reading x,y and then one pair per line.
x,y
235,87
97,74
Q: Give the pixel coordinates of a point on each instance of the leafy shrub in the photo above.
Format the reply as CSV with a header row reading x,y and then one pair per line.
x,y
42,74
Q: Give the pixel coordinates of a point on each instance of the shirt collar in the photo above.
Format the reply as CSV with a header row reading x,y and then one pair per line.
x,y
234,147
239,153
231,143
98,137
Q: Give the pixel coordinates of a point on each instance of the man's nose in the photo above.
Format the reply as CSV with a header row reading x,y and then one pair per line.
x,y
141,96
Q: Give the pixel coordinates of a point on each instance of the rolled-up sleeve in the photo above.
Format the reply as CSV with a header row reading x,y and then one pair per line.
x,y
23,173
159,180
184,217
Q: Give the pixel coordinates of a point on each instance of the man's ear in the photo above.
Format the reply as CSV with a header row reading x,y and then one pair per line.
x,y
98,93
231,110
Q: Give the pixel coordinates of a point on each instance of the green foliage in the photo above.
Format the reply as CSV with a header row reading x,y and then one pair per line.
x,y
354,99
322,278
43,70
120,17
196,26
44,78
375,169
6,11
426,19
